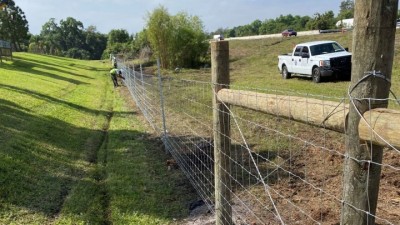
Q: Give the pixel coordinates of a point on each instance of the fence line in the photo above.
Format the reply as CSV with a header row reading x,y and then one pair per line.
x,y
5,50
282,171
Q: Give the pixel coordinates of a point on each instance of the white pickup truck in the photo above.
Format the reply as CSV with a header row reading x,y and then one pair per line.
x,y
316,60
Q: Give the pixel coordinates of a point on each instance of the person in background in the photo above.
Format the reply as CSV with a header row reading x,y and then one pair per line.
x,y
113,73
120,76
114,62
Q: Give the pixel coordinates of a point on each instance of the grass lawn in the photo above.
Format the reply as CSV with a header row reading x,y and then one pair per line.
x,y
253,65
73,152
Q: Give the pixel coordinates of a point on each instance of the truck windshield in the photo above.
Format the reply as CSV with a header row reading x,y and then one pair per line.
x,y
326,48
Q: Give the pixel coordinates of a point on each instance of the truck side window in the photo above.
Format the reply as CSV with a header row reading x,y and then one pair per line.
x,y
305,50
297,51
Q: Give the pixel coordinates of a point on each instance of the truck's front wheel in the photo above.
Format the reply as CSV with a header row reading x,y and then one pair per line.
x,y
316,75
285,73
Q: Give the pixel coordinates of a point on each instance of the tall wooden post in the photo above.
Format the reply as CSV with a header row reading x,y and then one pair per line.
x,y
221,127
373,50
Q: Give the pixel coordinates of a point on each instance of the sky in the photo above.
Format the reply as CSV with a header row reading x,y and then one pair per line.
x,y
131,14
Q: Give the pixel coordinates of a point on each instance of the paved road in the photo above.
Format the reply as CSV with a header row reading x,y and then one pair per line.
x,y
301,33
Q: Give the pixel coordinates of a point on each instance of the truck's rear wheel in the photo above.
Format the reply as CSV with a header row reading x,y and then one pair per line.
x,y
316,75
285,73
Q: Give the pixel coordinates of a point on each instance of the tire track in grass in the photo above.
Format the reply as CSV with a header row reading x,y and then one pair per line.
x,y
104,193
101,156
88,201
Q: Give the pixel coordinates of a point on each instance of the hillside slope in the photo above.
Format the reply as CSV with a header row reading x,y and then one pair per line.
x,y
67,149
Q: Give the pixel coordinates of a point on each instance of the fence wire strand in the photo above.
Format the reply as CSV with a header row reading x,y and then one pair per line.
x,y
282,171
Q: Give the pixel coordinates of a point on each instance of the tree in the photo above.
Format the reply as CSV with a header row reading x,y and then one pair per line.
x,y
71,33
14,26
159,33
118,36
346,9
177,40
187,44
322,21
69,39
255,26
245,30
77,53
118,41
36,44
95,42
140,41
51,37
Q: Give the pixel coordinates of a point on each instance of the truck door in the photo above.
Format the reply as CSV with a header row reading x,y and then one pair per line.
x,y
304,61
296,60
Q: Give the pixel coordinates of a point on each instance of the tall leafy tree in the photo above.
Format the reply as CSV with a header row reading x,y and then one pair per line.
x,y
72,33
118,36
14,26
187,43
140,41
118,41
269,26
322,21
159,31
95,42
52,37
140,46
36,44
346,9
177,40
69,38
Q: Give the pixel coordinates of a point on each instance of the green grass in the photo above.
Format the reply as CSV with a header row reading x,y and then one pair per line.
x,y
72,152
253,65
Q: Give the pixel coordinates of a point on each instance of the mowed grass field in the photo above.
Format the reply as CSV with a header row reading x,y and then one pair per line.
x,y
254,65
73,152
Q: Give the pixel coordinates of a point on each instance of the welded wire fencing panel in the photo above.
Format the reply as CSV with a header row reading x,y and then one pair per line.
x,y
283,170
188,123
145,92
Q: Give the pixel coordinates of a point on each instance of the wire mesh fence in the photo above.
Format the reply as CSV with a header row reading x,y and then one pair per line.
x,y
282,170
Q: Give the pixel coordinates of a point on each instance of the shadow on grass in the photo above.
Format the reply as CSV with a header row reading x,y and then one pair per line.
x,y
44,158
90,67
47,63
54,100
28,67
38,156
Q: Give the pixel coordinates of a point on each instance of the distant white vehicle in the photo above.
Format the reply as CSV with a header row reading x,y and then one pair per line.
x,y
346,23
218,37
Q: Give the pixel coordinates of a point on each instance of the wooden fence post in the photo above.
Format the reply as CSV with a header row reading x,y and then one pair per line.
x,y
373,50
221,129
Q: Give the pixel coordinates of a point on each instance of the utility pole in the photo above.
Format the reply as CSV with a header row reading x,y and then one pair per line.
x,y
373,52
